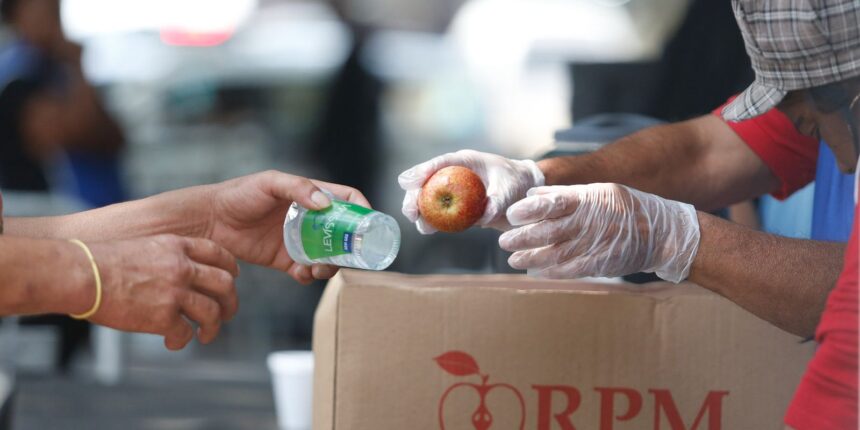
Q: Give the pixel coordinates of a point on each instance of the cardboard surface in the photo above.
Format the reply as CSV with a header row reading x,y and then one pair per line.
x,y
511,352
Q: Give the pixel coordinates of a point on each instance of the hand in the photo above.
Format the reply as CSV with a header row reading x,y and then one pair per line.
x,y
601,230
247,218
507,181
162,284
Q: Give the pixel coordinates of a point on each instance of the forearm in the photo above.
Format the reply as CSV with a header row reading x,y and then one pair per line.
x,y
44,276
700,161
783,281
170,212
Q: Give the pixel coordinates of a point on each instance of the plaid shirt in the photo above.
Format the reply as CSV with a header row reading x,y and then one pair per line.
x,y
795,44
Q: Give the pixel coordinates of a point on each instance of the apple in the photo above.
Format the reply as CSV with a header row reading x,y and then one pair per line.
x,y
453,199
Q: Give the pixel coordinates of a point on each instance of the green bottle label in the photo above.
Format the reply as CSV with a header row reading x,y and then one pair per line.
x,y
331,231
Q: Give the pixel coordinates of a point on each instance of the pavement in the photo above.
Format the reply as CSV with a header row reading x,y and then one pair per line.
x,y
191,395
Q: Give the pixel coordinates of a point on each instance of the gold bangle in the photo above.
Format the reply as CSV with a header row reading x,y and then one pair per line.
x,y
98,302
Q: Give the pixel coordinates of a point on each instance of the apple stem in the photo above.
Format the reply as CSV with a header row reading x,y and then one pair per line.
x,y
484,379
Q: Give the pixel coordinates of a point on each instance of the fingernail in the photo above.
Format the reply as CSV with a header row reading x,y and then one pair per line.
x,y
321,200
323,272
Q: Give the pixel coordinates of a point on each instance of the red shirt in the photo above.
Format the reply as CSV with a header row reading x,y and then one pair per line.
x,y
827,396
790,155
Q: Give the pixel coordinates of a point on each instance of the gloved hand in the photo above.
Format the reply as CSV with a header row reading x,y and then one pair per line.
x,y
507,181
602,230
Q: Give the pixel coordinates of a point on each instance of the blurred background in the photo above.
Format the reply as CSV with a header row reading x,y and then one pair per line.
x,y
183,92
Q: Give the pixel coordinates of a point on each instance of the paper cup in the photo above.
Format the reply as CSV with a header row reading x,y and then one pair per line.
x,y
292,381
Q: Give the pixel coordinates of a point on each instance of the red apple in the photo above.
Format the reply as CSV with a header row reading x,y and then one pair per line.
x,y
453,199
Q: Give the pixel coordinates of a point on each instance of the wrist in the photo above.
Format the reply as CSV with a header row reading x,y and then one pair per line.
x,y
58,279
78,286
186,212
572,170
44,276
589,168
538,177
547,168
711,232
675,232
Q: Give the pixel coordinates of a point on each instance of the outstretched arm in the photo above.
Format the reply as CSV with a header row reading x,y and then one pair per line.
x,y
781,280
244,215
700,161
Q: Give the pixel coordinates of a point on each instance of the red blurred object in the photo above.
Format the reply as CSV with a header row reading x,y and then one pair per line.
x,y
183,37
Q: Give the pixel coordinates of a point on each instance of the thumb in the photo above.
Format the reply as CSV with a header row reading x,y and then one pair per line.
x,y
415,177
410,205
493,210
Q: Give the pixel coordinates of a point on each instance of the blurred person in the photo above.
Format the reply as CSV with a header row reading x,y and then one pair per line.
x,y
48,110
51,117
348,139
807,88
160,264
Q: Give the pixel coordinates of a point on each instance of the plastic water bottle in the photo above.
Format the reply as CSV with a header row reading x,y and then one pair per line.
x,y
344,234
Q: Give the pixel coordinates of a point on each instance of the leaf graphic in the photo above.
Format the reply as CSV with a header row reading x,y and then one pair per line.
x,y
458,363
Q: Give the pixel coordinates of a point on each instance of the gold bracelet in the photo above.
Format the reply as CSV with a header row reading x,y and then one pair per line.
x,y
98,302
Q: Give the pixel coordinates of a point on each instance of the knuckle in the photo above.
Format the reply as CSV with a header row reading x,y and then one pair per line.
x,y
180,270
210,314
566,253
229,286
353,191
169,240
618,189
173,298
271,174
164,319
206,245
303,182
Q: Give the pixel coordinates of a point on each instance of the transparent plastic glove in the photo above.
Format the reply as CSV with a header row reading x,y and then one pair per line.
x,y
507,181
601,230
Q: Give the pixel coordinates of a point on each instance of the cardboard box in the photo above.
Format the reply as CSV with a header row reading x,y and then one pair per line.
x,y
511,352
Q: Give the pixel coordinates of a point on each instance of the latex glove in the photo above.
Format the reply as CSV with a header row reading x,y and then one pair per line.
x,y
507,181
601,230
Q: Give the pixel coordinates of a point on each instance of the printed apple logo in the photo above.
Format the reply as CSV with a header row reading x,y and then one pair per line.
x,y
459,363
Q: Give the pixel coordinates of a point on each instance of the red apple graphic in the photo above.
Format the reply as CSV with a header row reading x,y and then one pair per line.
x,y
459,363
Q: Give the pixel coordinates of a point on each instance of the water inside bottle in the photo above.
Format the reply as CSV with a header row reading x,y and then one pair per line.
x,y
375,242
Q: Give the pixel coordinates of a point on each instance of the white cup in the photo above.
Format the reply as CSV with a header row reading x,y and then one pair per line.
x,y
292,380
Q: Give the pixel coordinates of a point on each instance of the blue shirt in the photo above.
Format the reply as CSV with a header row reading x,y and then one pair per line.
x,y
833,207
